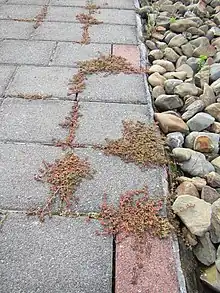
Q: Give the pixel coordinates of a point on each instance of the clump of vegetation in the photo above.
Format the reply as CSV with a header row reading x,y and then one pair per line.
x,y
33,96
202,61
135,215
41,16
63,176
139,144
172,19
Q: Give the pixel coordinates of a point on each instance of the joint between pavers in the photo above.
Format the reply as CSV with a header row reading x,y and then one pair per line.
x,y
53,54
10,79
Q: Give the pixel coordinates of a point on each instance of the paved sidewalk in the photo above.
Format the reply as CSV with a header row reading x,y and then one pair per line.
x,y
64,255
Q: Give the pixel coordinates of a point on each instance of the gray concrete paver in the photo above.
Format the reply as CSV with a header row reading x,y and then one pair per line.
x,y
78,260
10,29
41,80
33,121
29,2
19,164
58,31
5,74
19,11
108,120
67,54
121,88
57,13
121,4
27,52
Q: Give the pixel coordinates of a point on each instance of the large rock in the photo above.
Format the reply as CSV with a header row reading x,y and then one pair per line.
x,y
200,121
215,222
214,110
185,89
187,188
195,213
209,194
166,64
157,68
175,140
216,86
187,69
216,164
197,181
211,277
171,123
177,41
156,79
195,163
170,55
170,85
179,75
181,25
168,102
213,179
208,96
192,109
214,72
205,251
202,77
214,138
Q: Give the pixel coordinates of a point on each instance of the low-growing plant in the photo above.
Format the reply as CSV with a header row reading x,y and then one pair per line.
x,y
172,19
202,60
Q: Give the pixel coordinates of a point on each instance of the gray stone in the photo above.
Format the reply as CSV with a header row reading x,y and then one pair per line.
x,y
174,140
102,88
182,60
157,68
216,43
213,179
171,123
151,45
168,102
187,49
195,31
41,80
216,31
121,4
217,18
216,86
187,188
11,29
157,91
208,96
170,55
169,36
214,72
214,3
181,25
201,41
200,121
211,277
67,54
185,89
27,52
215,127
202,77
205,251
194,212
5,74
209,194
155,55
204,28
166,64
215,222
214,110
161,45
196,165
190,139
216,58
156,79
178,40
216,164
197,181
193,63
205,50
217,262
63,244
192,109
170,85
179,75
187,69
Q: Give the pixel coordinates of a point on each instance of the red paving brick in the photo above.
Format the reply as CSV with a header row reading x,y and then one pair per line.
x,y
158,272
130,52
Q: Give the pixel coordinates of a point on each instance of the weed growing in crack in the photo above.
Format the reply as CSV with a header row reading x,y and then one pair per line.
x,y
139,144
41,16
63,176
87,20
135,215
33,96
77,84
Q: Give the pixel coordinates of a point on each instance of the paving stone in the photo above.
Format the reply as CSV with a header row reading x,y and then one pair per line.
x,y
58,31
5,74
158,274
113,16
103,3
33,121
41,80
10,29
114,177
27,52
19,164
104,120
19,11
36,2
68,54
118,34
130,52
59,256
57,13
115,88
